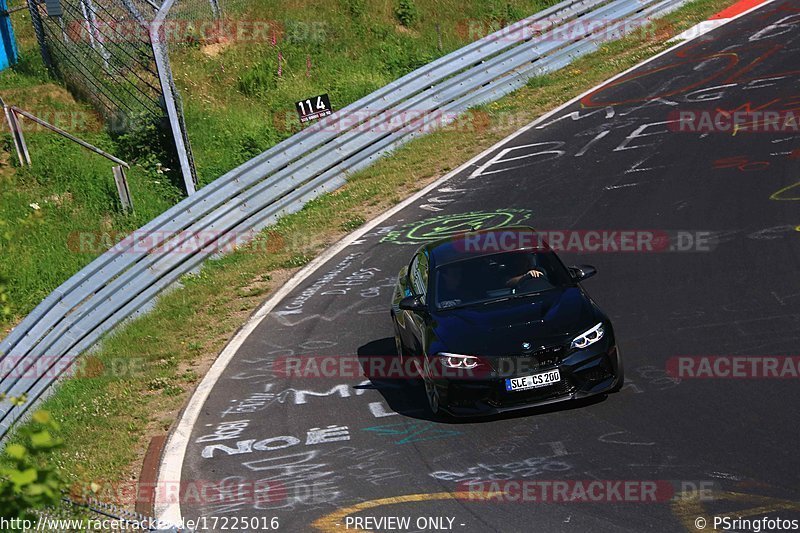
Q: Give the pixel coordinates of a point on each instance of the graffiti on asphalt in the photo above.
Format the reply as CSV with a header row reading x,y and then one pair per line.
x,y
442,226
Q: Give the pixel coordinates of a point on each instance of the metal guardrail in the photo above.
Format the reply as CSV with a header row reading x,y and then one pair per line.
x,y
281,180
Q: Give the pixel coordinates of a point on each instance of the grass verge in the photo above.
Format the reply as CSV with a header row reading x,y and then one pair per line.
x,y
67,190
237,105
239,91
106,417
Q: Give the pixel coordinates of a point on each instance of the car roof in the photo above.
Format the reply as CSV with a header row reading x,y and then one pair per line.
x,y
451,249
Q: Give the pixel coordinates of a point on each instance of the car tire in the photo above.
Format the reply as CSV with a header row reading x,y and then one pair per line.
x,y
398,345
620,374
431,393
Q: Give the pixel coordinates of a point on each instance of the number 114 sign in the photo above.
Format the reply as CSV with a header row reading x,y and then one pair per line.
x,y
313,108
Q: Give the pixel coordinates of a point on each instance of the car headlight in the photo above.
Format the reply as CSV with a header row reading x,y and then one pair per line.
x,y
588,337
454,360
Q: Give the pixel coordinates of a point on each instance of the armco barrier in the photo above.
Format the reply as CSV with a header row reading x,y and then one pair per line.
x,y
281,180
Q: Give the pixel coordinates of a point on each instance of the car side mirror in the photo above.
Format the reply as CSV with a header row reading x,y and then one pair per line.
x,y
413,303
582,272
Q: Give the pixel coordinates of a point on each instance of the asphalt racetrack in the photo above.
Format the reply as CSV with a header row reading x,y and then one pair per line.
x,y
334,450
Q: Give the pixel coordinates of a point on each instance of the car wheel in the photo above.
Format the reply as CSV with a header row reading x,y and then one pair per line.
x,y
620,374
398,344
431,392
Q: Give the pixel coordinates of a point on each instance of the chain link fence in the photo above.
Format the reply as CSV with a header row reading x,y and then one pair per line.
x,y
98,48
115,53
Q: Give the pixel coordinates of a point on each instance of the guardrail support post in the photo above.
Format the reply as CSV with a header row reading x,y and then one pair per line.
x,y
19,139
13,132
122,188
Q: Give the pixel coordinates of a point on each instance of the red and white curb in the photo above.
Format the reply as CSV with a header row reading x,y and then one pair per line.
x,y
715,21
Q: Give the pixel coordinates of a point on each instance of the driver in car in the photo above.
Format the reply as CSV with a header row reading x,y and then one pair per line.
x,y
519,263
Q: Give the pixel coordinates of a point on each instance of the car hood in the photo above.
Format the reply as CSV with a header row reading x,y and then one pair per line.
x,y
552,317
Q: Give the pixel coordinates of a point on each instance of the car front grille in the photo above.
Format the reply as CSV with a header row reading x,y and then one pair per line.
x,y
519,364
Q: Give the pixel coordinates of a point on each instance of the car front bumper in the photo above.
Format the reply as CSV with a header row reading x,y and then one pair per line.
x,y
584,373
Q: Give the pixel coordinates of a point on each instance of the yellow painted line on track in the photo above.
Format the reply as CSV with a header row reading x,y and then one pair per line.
x,y
333,521
779,194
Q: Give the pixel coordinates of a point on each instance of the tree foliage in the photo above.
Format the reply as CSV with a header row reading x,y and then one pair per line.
x,y
26,482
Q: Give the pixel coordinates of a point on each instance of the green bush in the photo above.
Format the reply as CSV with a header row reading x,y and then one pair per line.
x,y
148,144
355,8
26,482
406,12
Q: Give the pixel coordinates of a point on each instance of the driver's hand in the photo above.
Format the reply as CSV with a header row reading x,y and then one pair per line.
x,y
535,273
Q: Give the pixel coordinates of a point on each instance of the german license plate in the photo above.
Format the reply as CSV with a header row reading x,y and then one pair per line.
x,y
534,381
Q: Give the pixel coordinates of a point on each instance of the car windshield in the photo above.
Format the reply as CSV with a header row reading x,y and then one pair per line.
x,y
499,276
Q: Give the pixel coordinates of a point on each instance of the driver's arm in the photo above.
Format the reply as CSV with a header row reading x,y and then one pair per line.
x,y
516,280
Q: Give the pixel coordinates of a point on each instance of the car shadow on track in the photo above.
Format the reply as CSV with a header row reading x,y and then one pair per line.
x,y
405,394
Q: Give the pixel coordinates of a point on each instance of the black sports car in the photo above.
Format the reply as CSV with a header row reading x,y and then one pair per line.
x,y
494,321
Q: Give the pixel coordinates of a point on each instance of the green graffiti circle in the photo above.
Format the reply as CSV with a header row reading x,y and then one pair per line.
x,y
442,226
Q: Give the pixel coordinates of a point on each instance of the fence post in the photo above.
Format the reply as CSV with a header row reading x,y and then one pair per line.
x,y
8,48
13,130
19,137
161,56
122,188
215,8
95,37
135,13
36,20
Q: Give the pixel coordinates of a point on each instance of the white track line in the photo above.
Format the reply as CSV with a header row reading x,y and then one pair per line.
x,y
700,29
710,24
170,470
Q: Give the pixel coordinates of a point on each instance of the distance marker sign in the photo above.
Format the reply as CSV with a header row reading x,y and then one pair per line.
x,y
313,108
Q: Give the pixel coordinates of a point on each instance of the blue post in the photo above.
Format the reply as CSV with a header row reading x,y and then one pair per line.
x,y
8,54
